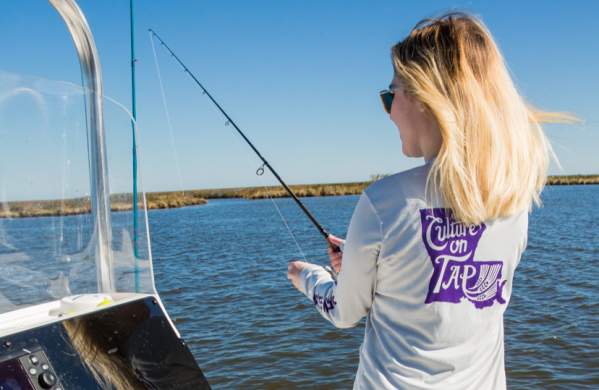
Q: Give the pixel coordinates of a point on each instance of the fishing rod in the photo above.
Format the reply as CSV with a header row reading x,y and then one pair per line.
x,y
265,163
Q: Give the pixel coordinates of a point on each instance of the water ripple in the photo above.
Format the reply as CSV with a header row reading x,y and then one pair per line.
x,y
221,271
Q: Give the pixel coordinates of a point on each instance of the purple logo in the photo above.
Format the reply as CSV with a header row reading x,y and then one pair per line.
x,y
456,275
325,304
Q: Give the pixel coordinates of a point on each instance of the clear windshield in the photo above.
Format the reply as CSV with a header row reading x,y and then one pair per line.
x,y
47,235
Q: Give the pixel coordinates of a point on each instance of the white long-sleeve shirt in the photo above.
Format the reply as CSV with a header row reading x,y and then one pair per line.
x,y
433,290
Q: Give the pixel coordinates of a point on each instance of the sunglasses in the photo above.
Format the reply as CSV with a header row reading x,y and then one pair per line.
x,y
387,96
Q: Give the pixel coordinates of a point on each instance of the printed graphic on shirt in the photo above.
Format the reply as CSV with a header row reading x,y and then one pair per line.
x,y
325,304
451,246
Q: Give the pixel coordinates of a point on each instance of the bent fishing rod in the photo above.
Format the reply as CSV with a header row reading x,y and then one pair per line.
x,y
260,170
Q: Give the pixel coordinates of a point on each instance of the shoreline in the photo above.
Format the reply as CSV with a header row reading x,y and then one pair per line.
x,y
177,199
78,206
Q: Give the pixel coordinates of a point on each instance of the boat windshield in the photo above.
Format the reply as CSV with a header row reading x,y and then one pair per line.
x,y
48,238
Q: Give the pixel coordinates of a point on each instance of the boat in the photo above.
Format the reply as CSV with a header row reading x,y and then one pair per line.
x,y
78,305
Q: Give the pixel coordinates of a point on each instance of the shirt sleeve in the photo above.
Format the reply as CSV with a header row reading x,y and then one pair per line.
x,y
344,302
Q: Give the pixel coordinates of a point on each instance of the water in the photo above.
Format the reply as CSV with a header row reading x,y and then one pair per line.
x,y
221,272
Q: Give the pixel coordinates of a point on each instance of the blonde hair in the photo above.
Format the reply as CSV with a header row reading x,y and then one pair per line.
x,y
494,156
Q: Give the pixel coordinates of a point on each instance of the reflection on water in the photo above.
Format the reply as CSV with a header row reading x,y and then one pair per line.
x,y
221,270
132,347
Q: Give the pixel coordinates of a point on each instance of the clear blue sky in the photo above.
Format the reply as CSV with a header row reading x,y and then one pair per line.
x,y
301,78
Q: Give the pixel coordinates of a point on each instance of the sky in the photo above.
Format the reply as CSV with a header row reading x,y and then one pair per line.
x,y
301,78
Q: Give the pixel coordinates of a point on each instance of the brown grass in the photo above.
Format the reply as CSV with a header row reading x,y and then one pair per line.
x,y
119,202
573,180
164,200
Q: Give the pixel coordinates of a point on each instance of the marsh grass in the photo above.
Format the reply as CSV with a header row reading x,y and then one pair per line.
x,y
164,200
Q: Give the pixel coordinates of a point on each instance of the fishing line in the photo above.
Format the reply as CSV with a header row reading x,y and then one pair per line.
x,y
259,172
230,121
146,222
139,157
299,248
168,115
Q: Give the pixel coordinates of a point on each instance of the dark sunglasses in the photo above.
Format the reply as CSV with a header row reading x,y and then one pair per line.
x,y
387,96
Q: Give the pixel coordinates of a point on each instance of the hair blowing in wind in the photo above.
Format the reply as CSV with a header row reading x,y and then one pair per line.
x,y
494,155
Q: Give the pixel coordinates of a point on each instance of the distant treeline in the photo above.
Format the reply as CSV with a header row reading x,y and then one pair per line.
x,y
301,190
118,202
353,188
163,200
572,180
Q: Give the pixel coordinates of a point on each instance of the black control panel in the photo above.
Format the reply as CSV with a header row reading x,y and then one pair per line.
x,y
28,369
121,347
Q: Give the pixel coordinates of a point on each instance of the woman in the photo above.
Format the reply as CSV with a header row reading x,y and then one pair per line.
x,y
431,252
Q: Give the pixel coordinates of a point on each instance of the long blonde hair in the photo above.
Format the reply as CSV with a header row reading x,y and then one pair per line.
x,y
494,156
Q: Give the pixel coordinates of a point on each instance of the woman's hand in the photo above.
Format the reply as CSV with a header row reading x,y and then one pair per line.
x,y
335,257
294,268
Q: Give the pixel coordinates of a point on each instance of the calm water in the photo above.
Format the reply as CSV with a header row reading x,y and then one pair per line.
x,y
221,271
